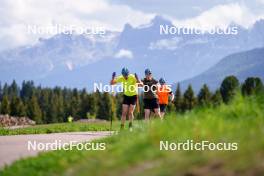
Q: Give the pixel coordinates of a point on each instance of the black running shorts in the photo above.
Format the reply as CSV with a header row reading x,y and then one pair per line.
x,y
163,107
130,100
151,103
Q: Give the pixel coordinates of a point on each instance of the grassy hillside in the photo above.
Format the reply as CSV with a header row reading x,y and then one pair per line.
x,y
138,152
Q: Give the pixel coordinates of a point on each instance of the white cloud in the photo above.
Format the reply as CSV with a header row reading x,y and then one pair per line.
x,y
260,1
221,16
69,65
169,44
195,41
123,53
16,15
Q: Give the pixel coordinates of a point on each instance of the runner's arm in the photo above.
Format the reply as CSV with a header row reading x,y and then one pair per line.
x,y
139,82
113,81
172,96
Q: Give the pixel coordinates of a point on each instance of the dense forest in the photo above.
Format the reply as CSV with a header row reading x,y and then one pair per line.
x,y
52,105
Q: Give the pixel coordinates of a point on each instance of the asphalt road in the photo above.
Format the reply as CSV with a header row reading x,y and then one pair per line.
x,y
15,147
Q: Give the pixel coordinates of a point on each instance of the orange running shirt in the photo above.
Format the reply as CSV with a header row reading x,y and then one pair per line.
x,y
163,93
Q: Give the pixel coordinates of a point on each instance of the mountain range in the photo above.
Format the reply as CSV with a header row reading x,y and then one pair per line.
x,y
242,65
79,60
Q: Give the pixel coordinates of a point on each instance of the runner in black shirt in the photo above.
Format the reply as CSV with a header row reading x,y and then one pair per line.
x,y
150,97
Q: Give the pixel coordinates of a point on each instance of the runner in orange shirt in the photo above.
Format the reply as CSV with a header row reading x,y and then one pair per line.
x,y
164,92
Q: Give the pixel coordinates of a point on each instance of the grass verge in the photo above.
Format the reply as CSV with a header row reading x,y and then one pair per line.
x,y
59,128
138,153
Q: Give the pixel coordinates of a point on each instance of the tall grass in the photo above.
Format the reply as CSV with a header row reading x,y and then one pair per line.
x,y
138,153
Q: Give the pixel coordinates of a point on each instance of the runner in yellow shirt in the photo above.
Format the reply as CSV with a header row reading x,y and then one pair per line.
x,y
129,82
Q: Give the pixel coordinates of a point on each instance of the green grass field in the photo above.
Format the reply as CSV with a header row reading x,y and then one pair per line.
x,y
60,127
137,152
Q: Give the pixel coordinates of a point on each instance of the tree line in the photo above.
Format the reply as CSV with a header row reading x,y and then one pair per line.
x,y
53,105
229,87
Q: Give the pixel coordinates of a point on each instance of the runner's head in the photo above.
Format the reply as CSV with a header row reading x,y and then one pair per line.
x,y
162,81
125,72
148,73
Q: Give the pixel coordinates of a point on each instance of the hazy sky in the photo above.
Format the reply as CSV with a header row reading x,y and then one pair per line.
x,y
182,9
16,15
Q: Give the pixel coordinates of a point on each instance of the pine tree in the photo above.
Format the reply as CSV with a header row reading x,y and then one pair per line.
x,y
92,104
228,88
84,104
189,99
1,92
97,96
119,100
5,90
105,110
61,113
27,90
113,107
178,101
17,107
13,90
5,106
74,108
53,111
66,93
88,105
217,98
14,106
44,104
204,96
252,85
33,110
59,104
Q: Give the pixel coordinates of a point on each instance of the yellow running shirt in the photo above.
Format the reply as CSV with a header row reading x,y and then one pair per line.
x,y
129,84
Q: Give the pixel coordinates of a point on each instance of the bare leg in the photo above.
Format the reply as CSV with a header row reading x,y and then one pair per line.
x,y
157,113
147,113
131,113
151,114
124,114
162,114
